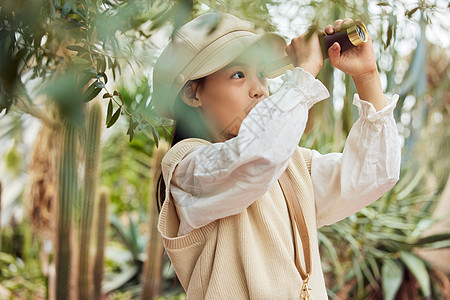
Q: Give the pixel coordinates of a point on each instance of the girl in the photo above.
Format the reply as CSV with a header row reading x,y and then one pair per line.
x,y
229,221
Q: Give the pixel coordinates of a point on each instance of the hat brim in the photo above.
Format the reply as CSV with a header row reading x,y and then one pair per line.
x,y
272,46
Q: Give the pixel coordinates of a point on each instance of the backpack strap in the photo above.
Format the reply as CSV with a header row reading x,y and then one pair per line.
x,y
298,224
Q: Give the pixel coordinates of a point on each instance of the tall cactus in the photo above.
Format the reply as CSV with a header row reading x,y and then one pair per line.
x,y
0,216
151,278
67,194
102,230
91,175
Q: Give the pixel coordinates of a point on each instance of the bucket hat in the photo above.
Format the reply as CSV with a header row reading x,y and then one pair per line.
x,y
201,47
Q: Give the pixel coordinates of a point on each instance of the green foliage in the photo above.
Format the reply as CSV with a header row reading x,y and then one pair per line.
x,y
23,280
375,246
70,46
392,276
20,271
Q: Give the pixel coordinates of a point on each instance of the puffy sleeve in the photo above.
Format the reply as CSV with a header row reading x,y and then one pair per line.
x,y
369,166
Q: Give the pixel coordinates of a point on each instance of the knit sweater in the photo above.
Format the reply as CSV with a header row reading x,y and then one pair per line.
x,y
245,256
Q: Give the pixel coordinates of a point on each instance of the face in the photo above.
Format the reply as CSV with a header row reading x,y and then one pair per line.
x,y
227,96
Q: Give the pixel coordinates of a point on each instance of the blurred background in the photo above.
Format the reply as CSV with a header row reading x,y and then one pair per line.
x,y
79,141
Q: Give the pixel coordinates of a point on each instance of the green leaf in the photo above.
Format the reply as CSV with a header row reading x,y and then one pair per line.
x,y
90,93
109,111
90,72
359,277
131,128
332,253
101,63
391,278
114,118
99,84
77,48
418,269
66,9
111,66
155,135
411,185
102,74
76,22
434,238
79,60
166,132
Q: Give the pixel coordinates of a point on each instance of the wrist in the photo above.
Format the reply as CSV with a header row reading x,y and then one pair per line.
x,y
310,68
367,77
368,86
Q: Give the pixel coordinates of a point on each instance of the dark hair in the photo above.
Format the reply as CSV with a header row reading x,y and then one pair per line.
x,y
188,124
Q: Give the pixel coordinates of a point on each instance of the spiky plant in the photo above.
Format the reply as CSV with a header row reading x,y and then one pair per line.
x,y
90,181
151,278
67,195
101,236
370,255
0,216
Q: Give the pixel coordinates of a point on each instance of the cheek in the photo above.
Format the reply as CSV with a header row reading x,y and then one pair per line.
x,y
222,101
226,107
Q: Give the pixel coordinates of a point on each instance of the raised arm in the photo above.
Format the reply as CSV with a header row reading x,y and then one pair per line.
x,y
370,163
222,179
368,167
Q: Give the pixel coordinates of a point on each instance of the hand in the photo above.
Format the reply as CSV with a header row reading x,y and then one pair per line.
x,y
305,52
358,61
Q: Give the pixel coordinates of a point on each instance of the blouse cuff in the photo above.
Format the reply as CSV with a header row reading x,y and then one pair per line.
x,y
367,110
303,81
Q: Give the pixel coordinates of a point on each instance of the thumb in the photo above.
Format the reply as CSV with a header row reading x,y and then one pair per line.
x,y
334,53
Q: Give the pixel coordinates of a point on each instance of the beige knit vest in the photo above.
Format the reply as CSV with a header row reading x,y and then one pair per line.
x,y
249,255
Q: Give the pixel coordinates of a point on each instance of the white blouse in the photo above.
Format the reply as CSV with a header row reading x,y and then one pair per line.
x,y
222,179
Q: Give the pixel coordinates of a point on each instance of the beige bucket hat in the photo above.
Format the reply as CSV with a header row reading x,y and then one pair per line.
x,y
202,47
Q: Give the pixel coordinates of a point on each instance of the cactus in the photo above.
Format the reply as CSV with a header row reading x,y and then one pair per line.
x,y
151,278
102,226
67,194
91,175
0,216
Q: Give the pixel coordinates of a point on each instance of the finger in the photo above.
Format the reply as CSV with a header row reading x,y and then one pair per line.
x,y
329,29
347,21
337,24
334,53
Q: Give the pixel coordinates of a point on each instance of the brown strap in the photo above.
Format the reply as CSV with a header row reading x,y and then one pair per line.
x,y
298,223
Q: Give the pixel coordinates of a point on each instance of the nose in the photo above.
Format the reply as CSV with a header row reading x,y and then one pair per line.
x,y
257,89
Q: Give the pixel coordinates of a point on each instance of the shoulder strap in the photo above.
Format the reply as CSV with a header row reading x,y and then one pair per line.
x,y
298,223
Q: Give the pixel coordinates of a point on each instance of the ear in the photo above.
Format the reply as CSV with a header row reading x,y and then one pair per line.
x,y
188,94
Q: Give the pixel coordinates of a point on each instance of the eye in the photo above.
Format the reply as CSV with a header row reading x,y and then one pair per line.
x,y
261,75
238,75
